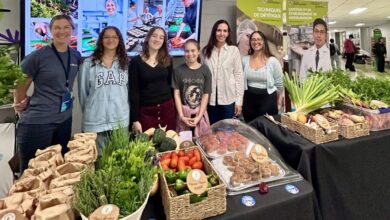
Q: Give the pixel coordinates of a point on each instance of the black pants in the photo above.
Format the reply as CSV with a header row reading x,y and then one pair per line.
x,y
349,64
381,63
257,102
31,137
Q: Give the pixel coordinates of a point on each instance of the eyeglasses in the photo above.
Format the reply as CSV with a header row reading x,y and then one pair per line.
x,y
110,37
257,40
319,31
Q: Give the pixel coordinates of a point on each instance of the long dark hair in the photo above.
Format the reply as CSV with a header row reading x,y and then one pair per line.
x,y
97,55
213,38
196,43
163,57
266,50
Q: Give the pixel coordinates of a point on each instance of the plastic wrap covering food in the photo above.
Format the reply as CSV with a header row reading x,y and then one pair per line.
x,y
377,121
243,157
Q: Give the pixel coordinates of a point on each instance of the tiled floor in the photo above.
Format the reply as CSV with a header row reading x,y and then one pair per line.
x,y
367,70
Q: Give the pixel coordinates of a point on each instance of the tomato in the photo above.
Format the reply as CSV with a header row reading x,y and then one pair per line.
x,y
165,167
197,155
165,161
181,153
173,163
192,161
197,165
166,156
181,164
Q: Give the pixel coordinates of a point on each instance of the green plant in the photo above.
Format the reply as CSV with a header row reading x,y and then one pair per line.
x,y
124,176
11,75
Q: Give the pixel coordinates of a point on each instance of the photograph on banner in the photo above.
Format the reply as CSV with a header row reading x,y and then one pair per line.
x,y
142,16
40,34
96,15
264,16
304,38
182,22
49,9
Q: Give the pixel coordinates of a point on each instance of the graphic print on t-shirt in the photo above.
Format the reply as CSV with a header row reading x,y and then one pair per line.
x,y
192,95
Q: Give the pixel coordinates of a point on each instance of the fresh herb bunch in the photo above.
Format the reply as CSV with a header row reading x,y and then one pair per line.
x,y
124,176
11,75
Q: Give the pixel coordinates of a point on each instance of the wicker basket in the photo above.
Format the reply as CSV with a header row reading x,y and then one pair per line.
x,y
317,136
179,207
352,131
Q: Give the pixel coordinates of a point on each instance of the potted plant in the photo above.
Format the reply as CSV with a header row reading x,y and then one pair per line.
x,y
124,176
11,75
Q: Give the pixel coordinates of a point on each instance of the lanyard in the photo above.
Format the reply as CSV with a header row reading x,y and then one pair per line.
x,y
66,70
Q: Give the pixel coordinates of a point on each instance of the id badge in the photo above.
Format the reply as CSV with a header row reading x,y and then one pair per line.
x,y
66,101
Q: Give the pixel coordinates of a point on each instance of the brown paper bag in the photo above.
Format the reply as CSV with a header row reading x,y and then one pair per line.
x,y
33,186
11,214
55,148
88,135
65,180
22,202
69,167
85,155
58,212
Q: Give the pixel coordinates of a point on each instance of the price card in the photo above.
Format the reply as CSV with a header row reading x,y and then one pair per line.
x,y
259,153
197,181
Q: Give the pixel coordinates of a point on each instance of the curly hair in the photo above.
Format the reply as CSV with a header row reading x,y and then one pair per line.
x,y
97,55
213,38
163,57
266,50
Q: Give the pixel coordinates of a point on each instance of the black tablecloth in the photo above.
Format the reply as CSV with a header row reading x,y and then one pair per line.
x,y
276,204
351,178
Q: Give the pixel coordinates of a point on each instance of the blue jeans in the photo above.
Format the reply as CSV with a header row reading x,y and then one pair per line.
x,y
31,137
220,112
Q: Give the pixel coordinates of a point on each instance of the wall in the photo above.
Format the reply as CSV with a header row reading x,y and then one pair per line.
x,y
9,20
385,28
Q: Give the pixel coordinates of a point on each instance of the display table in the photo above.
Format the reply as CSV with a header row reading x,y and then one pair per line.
x,y
351,178
276,204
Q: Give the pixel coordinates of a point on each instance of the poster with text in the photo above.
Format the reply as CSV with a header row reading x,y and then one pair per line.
x,y
264,16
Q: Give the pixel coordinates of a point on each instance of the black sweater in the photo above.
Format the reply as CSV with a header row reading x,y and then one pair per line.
x,y
148,85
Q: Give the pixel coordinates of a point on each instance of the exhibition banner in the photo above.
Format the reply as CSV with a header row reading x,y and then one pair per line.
x,y
260,15
266,11
305,12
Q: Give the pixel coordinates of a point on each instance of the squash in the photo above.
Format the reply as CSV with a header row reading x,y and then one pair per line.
x,y
142,137
150,132
175,136
167,144
158,136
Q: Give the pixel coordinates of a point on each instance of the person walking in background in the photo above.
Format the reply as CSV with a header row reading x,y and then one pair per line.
x,y
46,117
334,54
349,50
192,87
223,60
380,54
317,57
102,84
151,95
263,79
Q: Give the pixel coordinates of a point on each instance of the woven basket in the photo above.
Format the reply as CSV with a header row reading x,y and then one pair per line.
x,y
352,131
179,207
317,136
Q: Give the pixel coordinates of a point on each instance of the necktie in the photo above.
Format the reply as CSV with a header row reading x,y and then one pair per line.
x,y
317,59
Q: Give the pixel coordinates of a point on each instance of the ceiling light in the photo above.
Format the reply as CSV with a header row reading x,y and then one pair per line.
x,y
332,22
388,17
359,24
335,30
357,11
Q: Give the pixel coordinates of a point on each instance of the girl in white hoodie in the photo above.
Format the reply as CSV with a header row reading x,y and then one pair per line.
x,y
103,87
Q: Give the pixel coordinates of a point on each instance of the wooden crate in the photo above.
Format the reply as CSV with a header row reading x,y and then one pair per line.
x,y
317,136
179,207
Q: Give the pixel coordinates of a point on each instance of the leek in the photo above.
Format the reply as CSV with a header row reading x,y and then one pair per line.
x,y
311,94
